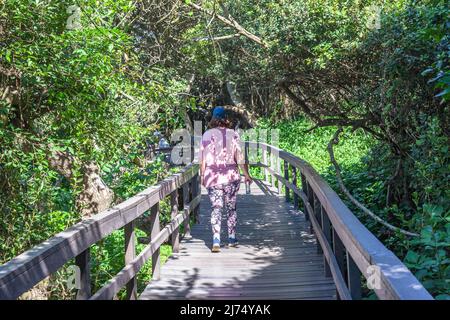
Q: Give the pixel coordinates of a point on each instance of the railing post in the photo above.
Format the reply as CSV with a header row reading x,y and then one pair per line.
x,y
247,162
286,176
174,213
339,253
196,190
310,196
273,167
294,182
155,229
326,228
318,214
186,200
305,191
353,278
130,254
279,183
265,162
83,262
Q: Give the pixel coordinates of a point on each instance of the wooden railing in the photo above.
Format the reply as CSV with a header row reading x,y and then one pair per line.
x,y
351,252
24,271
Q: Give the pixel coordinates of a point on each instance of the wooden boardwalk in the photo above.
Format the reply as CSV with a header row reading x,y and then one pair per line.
x,y
277,257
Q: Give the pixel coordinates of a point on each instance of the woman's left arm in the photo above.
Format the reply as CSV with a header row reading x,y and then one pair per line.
x,y
240,160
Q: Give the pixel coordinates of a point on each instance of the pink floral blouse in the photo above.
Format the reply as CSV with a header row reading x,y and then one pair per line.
x,y
220,149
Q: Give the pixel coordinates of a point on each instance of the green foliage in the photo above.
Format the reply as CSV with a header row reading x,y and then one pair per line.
x,y
312,146
80,91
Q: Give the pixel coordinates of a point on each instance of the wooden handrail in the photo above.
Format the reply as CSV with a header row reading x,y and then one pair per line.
x,y
130,270
362,248
24,271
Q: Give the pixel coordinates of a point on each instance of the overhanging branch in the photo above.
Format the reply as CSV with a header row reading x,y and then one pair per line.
x,y
231,36
334,141
229,21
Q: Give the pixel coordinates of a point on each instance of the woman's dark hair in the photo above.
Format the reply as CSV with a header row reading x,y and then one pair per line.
x,y
214,123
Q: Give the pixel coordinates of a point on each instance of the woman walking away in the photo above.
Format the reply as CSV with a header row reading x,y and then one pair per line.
x,y
220,159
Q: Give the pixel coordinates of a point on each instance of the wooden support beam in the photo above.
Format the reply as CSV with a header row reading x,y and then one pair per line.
x,y
339,252
130,254
318,215
353,278
186,200
83,262
196,190
294,182
273,166
286,176
155,229
326,229
305,190
174,212
265,162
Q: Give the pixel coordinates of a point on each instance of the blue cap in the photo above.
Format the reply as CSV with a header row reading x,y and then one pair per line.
x,y
219,113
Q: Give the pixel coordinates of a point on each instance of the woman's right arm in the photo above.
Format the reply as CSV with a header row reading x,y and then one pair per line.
x,y
247,177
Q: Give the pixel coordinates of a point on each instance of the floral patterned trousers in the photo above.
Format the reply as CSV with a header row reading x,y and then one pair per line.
x,y
224,196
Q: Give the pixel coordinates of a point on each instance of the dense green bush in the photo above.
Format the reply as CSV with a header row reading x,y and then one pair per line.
x,y
83,92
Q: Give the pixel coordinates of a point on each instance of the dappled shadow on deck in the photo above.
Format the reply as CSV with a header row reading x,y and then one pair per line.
x,y
277,257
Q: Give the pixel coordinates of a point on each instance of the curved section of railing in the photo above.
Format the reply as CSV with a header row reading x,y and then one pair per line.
x,y
350,250
24,271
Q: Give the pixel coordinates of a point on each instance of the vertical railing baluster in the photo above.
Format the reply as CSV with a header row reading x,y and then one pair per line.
x,y
273,167
318,214
294,182
286,176
339,253
279,183
155,229
174,213
310,195
130,254
353,278
305,191
196,190
247,162
186,200
180,206
265,162
83,262
326,228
